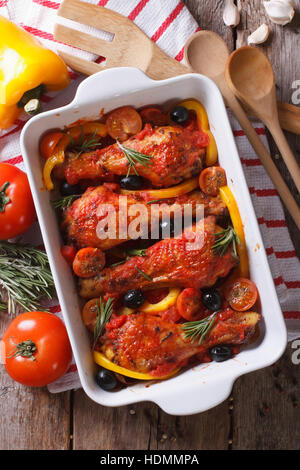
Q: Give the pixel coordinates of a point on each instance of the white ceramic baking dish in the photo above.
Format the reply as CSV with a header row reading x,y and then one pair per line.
x,y
206,385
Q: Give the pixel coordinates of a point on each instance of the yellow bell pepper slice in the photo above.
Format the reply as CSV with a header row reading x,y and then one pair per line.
x,y
164,304
74,133
166,193
126,311
102,361
229,200
202,118
57,158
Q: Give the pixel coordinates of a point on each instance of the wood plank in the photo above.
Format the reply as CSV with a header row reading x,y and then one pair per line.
x,y
144,426
266,412
124,428
266,408
205,431
281,48
209,16
31,418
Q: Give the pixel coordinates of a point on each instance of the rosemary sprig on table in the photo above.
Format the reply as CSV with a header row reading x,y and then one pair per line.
x,y
134,157
3,307
25,276
104,312
84,144
224,239
64,202
198,329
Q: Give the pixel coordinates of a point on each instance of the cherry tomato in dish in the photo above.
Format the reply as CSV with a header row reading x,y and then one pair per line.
x,y
88,262
17,212
211,179
36,349
171,314
89,313
68,252
49,142
241,294
189,304
154,116
123,122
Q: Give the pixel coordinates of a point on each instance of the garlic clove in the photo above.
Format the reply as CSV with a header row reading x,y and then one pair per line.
x,y
280,11
231,14
260,35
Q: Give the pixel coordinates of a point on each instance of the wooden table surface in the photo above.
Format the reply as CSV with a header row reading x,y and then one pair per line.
x,y
263,411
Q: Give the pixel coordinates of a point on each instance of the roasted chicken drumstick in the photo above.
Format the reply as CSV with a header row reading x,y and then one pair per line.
x,y
169,262
148,344
176,154
81,219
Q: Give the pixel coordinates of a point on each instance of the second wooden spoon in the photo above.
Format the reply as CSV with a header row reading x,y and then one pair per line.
x,y
207,53
250,76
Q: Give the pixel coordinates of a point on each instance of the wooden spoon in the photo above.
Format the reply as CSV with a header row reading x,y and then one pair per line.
x,y
250,76
207,53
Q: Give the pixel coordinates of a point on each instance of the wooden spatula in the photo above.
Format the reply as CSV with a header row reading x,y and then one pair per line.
x,y
130,47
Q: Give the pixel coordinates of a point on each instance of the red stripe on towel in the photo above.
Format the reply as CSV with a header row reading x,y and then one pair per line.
x,y
173,15
137,10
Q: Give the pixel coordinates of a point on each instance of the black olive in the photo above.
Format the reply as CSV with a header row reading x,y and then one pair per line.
x,y
106,379
67,189
131,182
212,299
220,353
166,228
134,298
179,114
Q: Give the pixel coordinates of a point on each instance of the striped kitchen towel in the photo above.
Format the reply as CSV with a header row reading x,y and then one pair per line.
x,y
169,24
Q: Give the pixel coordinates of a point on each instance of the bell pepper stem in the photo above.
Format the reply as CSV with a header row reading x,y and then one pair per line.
x,y
4,199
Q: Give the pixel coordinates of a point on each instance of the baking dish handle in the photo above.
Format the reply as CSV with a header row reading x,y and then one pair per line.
x,y
185,402
124,79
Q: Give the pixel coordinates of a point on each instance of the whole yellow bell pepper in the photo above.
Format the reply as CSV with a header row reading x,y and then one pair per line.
x,y
27,69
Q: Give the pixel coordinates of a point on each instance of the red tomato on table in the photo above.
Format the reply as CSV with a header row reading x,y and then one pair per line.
x,y
17,212
36,349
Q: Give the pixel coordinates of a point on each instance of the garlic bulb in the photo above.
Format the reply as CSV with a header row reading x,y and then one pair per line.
x,y
260,35
280,11
231,14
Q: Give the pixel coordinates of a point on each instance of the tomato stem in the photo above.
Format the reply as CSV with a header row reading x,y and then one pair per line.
x,y
4,199
25,349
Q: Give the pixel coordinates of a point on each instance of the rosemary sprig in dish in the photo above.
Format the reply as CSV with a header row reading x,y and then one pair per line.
x,y
143,274
134,157
224,239
104,312
136,252
85,143
194,330
131,252
25,276
64,202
